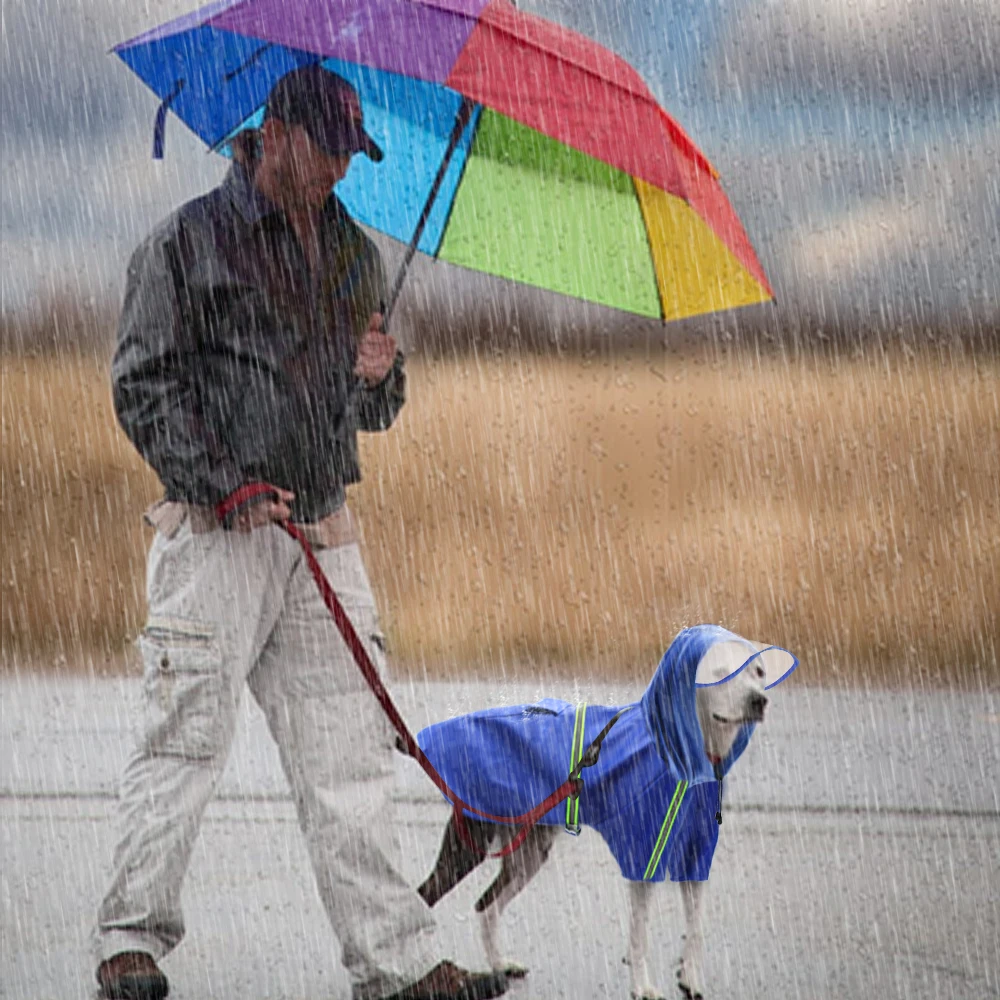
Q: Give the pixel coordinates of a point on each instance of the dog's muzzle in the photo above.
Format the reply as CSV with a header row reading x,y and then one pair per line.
x,y
755,708
754,711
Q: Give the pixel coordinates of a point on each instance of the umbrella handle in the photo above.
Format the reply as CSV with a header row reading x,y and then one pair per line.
x,y
462,118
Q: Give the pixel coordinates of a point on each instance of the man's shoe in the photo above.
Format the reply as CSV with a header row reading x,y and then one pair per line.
x,y
447,981
131,975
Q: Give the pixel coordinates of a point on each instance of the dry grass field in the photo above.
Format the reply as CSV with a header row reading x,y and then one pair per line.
x,y
572,514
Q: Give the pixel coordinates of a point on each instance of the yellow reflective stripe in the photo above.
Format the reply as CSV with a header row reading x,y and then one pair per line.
x,y
668,823
575,753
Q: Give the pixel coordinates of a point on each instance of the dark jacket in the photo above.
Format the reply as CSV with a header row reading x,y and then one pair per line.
x,y
234,365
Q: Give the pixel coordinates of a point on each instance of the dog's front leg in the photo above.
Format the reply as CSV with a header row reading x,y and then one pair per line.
x,y
489,929
638,941
689,974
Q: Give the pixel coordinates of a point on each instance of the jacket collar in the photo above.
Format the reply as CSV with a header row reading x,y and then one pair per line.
x,y
248,200
253,205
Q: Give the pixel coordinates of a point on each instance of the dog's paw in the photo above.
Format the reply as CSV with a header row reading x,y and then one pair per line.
x,y
686,991
513,970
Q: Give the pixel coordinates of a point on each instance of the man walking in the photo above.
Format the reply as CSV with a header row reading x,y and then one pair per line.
x,y
251,349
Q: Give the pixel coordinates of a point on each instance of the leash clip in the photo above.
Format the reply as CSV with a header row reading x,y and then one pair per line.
x,y
579,759
573,826
717,768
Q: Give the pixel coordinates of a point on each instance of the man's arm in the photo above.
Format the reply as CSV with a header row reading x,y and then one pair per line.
x,y
152,374
378,405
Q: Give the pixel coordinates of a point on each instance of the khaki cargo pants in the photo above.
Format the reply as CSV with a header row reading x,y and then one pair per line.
x,y
228,609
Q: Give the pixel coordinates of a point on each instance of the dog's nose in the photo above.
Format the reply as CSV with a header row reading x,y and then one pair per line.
x,y
757,705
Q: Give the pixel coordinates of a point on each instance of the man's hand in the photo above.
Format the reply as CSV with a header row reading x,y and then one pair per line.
x,y
376,352
265,512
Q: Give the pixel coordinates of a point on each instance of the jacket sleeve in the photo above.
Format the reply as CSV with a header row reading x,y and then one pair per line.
x,y
379,405
153,373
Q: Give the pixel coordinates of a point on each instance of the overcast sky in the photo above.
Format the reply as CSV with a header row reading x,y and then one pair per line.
x,y
858,142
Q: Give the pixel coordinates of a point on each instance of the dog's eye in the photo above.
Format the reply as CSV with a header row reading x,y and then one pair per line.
x,y
760,671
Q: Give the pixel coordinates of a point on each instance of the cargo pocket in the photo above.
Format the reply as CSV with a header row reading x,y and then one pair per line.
x,y
183,687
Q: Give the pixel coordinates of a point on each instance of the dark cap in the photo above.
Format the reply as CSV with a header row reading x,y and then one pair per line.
x,y
327,106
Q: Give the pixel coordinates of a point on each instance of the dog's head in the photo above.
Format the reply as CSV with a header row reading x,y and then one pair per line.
x,y
727,703
707,695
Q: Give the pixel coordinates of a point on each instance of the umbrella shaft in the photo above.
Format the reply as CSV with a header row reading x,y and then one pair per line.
x,y
462,118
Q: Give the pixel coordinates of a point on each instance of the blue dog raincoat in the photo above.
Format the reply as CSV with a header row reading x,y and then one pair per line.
x,y
652,794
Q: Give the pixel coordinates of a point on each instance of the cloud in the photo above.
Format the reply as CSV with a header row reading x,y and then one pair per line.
x,y
58,78
80,188
74,219
932,244
943,52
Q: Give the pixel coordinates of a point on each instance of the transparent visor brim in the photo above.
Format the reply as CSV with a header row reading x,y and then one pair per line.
x,y
724,660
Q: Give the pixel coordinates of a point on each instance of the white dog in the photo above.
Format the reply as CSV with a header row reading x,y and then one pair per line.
x,y
655,793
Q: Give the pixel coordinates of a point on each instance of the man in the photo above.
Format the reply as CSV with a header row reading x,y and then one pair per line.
x,y
251,349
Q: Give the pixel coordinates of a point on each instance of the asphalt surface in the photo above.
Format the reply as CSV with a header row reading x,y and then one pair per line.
x,y
859,857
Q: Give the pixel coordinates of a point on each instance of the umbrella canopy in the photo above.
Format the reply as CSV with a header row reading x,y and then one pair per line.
x,y
513,146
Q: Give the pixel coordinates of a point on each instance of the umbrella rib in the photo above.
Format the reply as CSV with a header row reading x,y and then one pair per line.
x,y
465,109
649,244
446,9
248,62
461,177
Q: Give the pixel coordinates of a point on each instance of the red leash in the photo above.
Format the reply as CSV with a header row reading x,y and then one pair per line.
x,y
225,512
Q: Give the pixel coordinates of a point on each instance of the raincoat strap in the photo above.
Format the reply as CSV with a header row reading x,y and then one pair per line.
x,y
575,756
668,824
717,765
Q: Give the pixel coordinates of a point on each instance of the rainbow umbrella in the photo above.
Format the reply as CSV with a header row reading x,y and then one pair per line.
x,y
513,146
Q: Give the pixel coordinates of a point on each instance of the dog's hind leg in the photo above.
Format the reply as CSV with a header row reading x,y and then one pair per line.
x,y
517,870
638,941
455,859
689,974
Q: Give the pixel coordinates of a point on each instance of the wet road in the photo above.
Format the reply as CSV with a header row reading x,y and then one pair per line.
x,y
858,858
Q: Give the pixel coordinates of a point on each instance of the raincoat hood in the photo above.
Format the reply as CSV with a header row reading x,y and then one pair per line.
x,y
669,705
